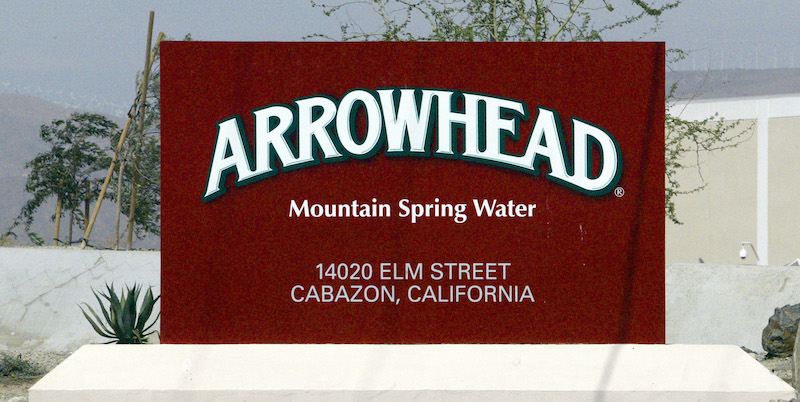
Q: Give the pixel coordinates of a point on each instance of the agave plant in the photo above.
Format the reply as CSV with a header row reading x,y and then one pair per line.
x,y
123,322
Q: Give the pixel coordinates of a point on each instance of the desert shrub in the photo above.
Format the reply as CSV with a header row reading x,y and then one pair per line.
x,y
123,321
11,366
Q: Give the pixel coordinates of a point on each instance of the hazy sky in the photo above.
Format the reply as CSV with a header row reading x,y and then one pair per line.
x,y
86,53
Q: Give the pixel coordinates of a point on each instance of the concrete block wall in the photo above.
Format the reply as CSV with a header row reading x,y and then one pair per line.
x,y
41,288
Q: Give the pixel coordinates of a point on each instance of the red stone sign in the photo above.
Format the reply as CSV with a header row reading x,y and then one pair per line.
x,y
412,192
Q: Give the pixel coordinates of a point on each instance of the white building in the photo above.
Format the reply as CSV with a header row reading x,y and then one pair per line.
x,y
752,191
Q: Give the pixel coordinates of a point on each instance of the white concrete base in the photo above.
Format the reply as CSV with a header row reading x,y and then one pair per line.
x,y
404,372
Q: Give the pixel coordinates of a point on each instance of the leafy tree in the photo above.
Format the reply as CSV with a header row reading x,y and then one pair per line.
x,y
540,21
492,20
66,171
141,165
141,161
148,197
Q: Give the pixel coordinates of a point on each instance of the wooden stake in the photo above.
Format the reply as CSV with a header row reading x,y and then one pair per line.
x,y
119,203
86,200
115,160
132,211
138,144
69,232
58,220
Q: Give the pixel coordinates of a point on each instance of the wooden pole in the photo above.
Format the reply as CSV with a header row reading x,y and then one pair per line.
x,y
119,203
86,200
115,160
58,220
138,144
69,232
132,211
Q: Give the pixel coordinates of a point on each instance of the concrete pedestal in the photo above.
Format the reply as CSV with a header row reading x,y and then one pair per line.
x,y
404,372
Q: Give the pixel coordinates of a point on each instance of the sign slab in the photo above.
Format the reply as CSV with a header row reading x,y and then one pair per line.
x,y
412,192
410,372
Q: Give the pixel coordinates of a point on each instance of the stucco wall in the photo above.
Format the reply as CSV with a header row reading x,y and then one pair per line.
x,y
726,304
40,290
721,216
784,190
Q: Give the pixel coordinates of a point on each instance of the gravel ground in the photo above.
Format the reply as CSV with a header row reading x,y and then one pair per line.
x,y
28,367
780,366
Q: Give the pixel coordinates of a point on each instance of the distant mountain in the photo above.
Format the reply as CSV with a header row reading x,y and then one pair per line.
x,y
21,117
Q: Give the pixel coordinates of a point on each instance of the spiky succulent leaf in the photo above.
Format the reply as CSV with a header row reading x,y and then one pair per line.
x,y
98,325
112,294
118,311
129,310
152,323
102,307
147,309
114,307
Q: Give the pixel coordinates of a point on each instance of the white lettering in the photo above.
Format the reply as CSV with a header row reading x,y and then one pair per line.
x,y
268,139
406,121
229,154
345,118
311,128
401,118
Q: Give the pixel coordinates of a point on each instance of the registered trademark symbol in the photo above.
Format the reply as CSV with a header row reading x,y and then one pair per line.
x,y
619,192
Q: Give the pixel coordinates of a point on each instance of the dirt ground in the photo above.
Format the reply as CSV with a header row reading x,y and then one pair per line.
x,y
11,387
20,369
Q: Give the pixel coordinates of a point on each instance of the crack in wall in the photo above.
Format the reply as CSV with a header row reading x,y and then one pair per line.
x,y
100,260
40,291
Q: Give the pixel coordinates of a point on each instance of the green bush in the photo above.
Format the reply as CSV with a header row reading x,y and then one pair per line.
x,y
122,321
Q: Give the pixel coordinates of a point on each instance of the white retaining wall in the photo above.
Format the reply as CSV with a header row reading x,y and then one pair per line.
x,y
726,304
40,289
